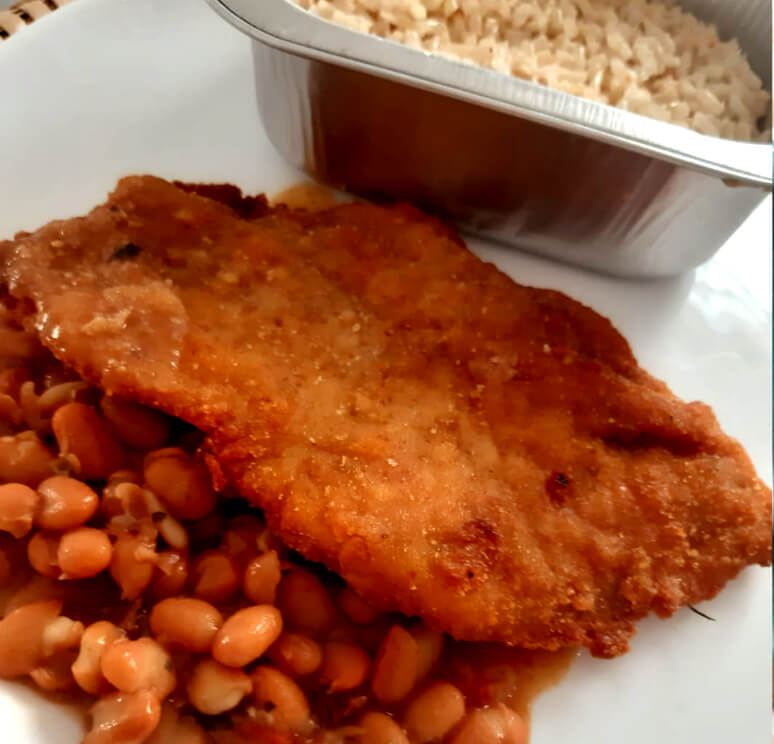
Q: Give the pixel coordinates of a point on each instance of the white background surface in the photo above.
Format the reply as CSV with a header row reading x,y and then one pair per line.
x,y
102,88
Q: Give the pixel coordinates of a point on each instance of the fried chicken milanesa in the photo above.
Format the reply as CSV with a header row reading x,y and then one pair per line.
x,y
485,455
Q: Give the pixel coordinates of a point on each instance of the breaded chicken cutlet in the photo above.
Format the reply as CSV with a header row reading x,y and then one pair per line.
x,y
485,455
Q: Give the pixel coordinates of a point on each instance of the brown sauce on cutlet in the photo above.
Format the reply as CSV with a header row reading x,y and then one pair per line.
x,y
307,195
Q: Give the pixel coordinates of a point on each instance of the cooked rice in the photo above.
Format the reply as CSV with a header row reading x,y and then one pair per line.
x,y
651,58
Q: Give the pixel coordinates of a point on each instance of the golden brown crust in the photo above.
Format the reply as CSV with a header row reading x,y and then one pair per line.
x,y
485,455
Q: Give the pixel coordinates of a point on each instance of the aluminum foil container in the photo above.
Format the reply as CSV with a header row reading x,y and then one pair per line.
x,y
506,159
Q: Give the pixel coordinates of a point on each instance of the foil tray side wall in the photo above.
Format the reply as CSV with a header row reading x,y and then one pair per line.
x,y
541,189
285,26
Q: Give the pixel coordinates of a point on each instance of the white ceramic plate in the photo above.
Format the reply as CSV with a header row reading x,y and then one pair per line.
x,y
103,88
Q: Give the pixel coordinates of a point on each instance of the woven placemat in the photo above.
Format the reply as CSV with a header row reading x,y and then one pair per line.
x,y
21,15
